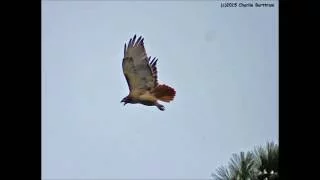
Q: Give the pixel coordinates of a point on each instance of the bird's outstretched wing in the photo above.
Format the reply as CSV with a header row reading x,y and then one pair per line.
x,y
139,70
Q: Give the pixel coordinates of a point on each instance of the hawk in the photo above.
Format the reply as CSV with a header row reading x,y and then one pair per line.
x,y
140,72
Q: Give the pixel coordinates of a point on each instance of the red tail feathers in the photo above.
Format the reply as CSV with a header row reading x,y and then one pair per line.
x,y
164,93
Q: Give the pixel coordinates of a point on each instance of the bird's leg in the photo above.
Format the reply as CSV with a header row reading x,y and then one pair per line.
x,y
159,106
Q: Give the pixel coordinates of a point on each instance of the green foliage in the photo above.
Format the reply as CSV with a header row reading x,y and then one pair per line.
x,y
260,164
267,159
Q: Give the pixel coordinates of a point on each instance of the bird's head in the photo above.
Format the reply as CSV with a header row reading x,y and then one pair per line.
x,y
126,100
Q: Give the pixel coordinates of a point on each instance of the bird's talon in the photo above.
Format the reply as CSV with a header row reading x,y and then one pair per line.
x,y
161,107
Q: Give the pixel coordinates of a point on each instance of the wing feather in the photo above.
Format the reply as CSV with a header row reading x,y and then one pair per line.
x,y
153,64
138,71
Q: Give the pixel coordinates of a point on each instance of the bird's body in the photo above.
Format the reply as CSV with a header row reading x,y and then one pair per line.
x,y
141,75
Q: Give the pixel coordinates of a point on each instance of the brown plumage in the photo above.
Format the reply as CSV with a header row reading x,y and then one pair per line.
x,y
141,75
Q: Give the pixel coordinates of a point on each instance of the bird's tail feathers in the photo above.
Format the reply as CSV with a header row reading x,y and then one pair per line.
x,y
164,93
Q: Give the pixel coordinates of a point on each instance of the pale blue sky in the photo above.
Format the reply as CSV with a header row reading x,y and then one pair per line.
x,y
223,63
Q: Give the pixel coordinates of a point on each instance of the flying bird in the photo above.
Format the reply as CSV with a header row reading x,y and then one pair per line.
x,y
140,72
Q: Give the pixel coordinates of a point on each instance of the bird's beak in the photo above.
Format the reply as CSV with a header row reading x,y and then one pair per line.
x,y
122,101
